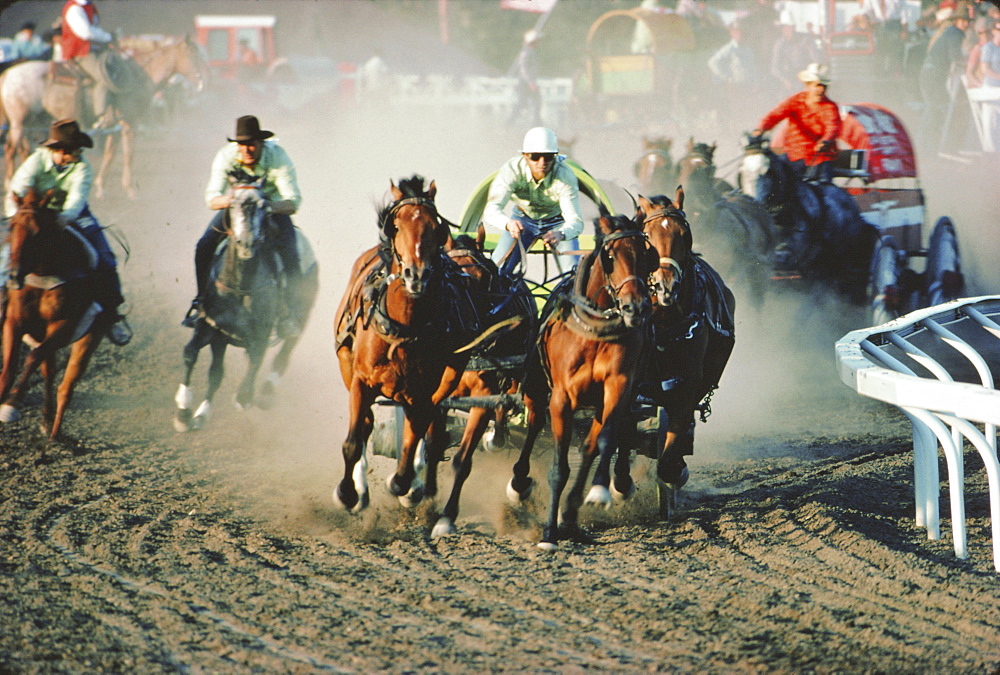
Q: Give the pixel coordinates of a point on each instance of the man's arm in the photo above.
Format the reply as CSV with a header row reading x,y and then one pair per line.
x,y
498,197
77,186
282,171
217,191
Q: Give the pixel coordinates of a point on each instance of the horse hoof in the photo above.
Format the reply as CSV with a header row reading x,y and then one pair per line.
x,y
413,497
356,505
443,528
548,546
680,480
516,496
623,495
599,496
489,440
183,421
9,413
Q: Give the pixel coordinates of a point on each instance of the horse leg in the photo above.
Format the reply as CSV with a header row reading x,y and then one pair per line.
x,y
12,335
102,171
184,398
128,147
351,494
562,429
255,355
462,467
79,358
521,484
49,405
407,483
269,387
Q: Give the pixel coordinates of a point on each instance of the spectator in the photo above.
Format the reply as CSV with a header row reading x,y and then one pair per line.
x,y
973,76
944,58
890,33
527,96
734,63
29,46
791,53
989,69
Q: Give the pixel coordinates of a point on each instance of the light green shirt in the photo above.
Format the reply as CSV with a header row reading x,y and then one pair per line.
x,y
557,193
280,183
72,183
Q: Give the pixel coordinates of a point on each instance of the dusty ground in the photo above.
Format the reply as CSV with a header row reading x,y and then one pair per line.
x,y
127,547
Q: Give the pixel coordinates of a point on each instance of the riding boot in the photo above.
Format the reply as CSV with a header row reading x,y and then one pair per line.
x,y
109,297
203,254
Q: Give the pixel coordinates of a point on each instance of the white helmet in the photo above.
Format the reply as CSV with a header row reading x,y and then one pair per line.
x,y
540,139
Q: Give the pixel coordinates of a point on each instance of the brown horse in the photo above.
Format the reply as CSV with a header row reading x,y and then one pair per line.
x,y
150,65
400,326
738,229
590,349
50,305
654,170
494,371
693,334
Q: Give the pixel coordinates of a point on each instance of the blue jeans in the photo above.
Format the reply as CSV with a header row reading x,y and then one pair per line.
x,y
533,229
109,286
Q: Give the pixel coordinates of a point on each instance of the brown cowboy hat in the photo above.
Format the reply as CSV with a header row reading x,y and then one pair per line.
x,y
66,135
248,129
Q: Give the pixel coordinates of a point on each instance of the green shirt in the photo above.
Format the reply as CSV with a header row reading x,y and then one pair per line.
x,y
557,193
72,183
280,183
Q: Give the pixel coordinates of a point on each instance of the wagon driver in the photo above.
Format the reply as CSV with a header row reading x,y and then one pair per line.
x,y
546,198
247,157
813,126
59,165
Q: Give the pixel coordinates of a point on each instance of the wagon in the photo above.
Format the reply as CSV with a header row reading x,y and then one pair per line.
x,y
878,169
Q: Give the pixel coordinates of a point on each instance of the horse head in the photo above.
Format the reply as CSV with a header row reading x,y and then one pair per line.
x,y
192,64
413,235
626,261
32,231
655,163
761,175
247,216
670,235
696,173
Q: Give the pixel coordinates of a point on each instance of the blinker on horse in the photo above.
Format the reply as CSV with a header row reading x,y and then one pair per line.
x,y
50,300
589,352
400,325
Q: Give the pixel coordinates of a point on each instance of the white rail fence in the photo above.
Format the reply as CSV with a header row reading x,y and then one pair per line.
x,y
934,364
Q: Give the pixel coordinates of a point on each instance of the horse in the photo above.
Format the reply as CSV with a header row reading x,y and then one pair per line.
x,y
29,94
494,370
243,304
732,224
693,336
588,355
403,320
655,170
819,226
50,304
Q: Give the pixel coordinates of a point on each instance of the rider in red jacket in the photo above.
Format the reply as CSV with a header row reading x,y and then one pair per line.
x,y
80,29
813,126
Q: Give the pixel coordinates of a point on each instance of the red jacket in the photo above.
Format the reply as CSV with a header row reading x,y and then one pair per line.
x,y
806,127
72,44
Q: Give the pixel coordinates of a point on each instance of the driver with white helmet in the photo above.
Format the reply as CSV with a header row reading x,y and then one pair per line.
x,y
545,194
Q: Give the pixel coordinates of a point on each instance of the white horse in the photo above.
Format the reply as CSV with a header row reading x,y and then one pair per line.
x,y
152,62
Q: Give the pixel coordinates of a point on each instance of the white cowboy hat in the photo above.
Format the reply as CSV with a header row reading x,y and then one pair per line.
x,y
816,72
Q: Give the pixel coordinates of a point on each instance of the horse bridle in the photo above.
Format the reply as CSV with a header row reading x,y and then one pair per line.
x,y
610,286
390,216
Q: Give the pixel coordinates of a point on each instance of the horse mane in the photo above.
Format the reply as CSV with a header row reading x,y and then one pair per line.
x,y
412,188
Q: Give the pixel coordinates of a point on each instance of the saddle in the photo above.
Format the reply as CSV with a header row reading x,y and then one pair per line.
x,y
68,84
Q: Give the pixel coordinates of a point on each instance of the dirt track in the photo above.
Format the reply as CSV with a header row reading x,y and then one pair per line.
x,y
129,548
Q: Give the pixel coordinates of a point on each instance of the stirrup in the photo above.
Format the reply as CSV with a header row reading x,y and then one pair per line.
x,y
120,333
193,313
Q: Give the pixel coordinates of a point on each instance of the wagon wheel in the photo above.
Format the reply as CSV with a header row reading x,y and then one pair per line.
x,y
944,265
883,284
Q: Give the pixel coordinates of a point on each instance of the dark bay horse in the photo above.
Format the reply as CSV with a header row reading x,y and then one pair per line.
x,y
496,366
590,348
242,307
145,66
818,225
693,335
50,304
738,229
400,329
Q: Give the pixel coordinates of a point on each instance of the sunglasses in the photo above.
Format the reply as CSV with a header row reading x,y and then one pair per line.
x,y
539,156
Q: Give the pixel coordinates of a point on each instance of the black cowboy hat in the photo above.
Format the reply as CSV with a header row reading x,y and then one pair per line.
x,y
66,135
248,129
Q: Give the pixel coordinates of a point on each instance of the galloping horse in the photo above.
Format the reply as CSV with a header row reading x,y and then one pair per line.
x,y
733,225
26,96
402,322
589,351
654,170
496,366
242,307
693,329
819,225
50,305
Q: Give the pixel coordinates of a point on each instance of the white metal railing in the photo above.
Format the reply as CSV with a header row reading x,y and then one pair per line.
x,y
914,362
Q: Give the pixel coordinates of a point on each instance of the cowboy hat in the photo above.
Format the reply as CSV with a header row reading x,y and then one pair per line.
x,y
66,135
248,129
815,72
